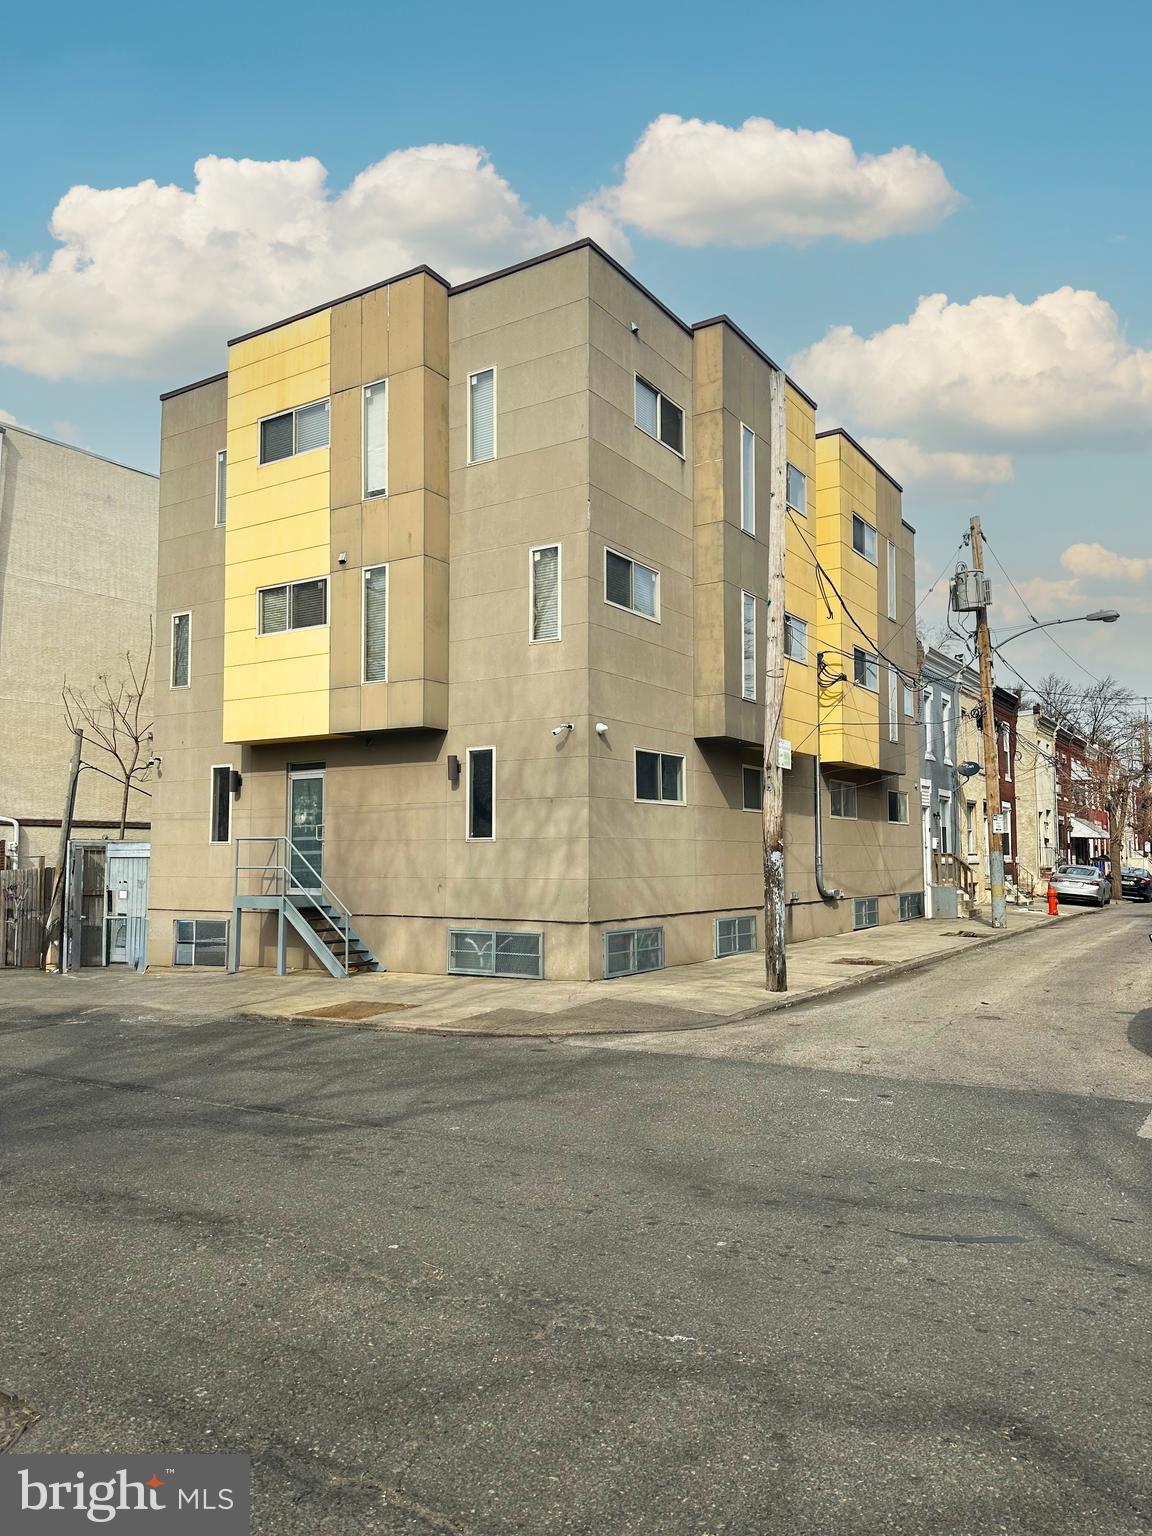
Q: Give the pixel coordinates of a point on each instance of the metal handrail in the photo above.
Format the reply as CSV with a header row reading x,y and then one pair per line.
x,y
283,867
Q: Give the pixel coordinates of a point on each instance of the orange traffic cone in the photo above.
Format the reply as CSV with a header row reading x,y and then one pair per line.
x,y
1053,904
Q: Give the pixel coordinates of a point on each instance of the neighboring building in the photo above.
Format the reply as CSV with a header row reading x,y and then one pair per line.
x,y
1083,821
1005,708
77,585
1037,800
945,870
474,583
973,801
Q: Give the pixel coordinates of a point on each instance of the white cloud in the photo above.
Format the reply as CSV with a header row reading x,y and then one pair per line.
x,y
699,183
151,278
940,473
1094,562
991,373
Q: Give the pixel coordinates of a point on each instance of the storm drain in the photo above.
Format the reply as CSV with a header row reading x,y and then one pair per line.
x,y
964,933
859,960
15,1417
352,1011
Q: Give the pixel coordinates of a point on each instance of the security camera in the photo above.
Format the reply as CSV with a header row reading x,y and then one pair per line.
x,y
558,730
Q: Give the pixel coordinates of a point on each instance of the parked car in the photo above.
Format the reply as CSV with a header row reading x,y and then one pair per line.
x,y
1136,883
1082,882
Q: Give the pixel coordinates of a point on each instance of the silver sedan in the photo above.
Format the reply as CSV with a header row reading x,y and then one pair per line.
x,y
1082,882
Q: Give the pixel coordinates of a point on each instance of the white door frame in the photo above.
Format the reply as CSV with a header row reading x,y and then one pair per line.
x,y
295,775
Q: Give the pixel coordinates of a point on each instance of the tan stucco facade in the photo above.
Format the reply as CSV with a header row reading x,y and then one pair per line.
x,y
575,852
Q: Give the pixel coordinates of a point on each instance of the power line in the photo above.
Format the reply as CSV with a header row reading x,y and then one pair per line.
x,y
1033,617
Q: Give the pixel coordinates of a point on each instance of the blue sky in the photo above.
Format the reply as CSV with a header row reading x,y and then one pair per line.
x,y
1037,127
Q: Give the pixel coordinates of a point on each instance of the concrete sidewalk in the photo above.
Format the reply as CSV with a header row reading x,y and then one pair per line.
x,y
686,997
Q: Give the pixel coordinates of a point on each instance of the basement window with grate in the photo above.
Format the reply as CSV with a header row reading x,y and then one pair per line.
x,y
489,952
735,936
201,941
628,951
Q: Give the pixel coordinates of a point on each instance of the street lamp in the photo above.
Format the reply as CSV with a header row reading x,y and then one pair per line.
x,y
1097,616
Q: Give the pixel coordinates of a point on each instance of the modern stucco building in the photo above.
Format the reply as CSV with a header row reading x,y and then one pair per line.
x,y
77,583
467,592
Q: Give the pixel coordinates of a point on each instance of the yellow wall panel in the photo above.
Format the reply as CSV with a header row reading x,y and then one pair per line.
x,y
270,370
246,476
271,503
283,536
270,679
284,338
241,580
280,395
301,717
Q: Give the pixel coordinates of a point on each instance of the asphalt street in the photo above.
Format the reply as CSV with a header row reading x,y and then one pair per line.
x,y
843,1270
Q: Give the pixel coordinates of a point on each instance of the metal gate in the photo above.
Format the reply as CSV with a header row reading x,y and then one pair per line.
x,y
107,904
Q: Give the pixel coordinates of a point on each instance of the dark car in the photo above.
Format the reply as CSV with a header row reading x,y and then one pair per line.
x,y
1136,884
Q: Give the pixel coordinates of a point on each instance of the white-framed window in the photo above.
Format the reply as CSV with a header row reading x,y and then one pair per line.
x,y
865,670
200,941
946,724
544,592
660,417
893,703
752,787
747,479
481,794
1006,743
842,799
297,431
795,638
221,487
929,699
374,445
220,823
374,616
181,650
866,912
628,951
660,777
630,585
1006,835
748,644
970,827
909,701
945,822
481,415
735,935
293,605
863,538
898,806
797,490
891,579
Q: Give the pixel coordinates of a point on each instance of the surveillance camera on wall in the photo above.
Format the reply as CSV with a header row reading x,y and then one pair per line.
x,y
558,730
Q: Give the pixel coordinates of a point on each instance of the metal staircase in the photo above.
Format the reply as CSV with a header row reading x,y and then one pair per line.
x,y
318,915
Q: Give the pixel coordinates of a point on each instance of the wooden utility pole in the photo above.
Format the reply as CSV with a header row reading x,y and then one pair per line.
x,y
56,906
775,959
991,760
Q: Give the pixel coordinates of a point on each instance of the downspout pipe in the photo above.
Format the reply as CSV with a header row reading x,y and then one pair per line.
x,y
822,890
15,825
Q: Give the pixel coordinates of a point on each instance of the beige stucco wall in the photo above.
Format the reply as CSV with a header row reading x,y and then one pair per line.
x,y
77,573
1037,829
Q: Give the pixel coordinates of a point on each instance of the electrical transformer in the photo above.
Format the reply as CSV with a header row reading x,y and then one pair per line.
x,y
971,591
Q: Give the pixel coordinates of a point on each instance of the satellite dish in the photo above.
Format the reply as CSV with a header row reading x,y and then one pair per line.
x,y
967,769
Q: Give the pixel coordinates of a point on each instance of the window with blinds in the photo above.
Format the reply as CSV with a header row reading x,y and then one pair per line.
x,y
891,610
376,439
221,488
545,570
747,479
296,605
181,649
748,642
659,417
481,415
376,624
291,432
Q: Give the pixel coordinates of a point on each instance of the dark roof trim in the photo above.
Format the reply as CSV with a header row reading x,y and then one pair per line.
x,y
343,299
55,442
171,394
567,250
904,523
875,463
701,325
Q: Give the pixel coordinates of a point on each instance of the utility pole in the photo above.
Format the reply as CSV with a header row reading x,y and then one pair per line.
x,y
991,761
56,906
775,959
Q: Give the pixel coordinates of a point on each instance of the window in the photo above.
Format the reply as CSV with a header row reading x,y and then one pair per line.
x,y
866,912
296,605
929,723
909,702
911,905
1006,835
797,492
544,571
795,638
481,415
970,818
946,724
221,488
298,431
660,776
220,830
181,649
842,798
891,579
487,952
748,643
747,479
1006,743
753,788
735,936
481,794
893,704
375,617
628,584
898,806
945,823
375,448
659,417
627,951
863,538
200,941
865,670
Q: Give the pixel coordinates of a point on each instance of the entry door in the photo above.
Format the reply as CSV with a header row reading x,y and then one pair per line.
x,y
306,828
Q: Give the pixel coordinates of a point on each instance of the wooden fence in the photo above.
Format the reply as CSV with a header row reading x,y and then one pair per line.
x,y
25,896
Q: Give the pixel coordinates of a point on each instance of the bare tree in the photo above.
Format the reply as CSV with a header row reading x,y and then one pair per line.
x,y
114,719
1106,712
1113,780
1059,699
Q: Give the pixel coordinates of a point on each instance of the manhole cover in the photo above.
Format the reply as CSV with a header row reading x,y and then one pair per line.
x,y
352,1010
15,1417
859,960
